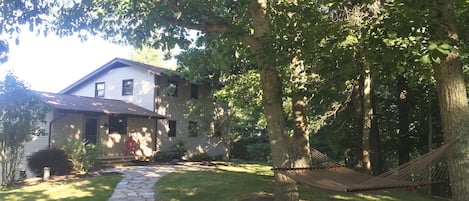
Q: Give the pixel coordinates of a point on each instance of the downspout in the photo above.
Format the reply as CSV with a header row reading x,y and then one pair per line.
x,y
50,128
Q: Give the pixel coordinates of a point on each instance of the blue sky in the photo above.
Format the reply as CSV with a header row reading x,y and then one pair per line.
x,y
52,63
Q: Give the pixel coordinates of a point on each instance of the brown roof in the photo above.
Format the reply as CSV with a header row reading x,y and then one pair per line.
x,y
95,105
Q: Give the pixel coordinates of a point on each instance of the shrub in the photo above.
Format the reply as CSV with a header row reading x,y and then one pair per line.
x,y
200,157
55,159
246,148
163,156
82,155
179,150
176,153
259,152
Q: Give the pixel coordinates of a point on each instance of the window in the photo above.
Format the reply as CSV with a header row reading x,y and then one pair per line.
x,y
172,128
118,125
194,91
193,129
172,87
127,87
91,130
99,89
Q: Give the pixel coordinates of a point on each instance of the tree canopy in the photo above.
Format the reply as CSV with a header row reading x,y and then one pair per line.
x,y
14,14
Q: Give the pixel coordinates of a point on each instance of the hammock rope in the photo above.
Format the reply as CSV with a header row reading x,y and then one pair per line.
x,y
329,174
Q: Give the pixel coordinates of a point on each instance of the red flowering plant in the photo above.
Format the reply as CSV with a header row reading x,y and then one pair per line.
x,y
130,146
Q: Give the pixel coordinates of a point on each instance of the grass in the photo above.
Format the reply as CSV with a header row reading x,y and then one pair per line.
x,y
254,182
88,188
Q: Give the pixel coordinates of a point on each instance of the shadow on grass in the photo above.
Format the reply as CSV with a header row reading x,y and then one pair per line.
x,y
87,188
251,182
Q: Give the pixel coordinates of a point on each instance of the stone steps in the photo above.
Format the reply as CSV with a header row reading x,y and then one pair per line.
x,y
120,161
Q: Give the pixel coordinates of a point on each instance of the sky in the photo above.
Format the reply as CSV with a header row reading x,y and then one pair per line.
x,y
51,63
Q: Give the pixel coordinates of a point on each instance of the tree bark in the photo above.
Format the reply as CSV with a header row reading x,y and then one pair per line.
x,y
301,154
357,102
403,131
367,120
375,140
452,97
285,188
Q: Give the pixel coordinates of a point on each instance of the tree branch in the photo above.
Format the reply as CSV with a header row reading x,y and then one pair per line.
x,y
207,23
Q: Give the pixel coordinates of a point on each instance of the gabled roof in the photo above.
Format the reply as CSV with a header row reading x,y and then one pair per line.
x,y
115,63
94,105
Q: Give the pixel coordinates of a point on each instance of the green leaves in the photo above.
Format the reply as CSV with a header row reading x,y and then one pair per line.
x,y
438,50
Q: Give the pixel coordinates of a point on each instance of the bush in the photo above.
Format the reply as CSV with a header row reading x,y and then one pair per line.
x,y
259,152
55,159
176,153
178,150
200,157
247,149
82,155
164,156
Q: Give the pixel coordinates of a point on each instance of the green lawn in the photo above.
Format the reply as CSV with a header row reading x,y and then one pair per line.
x,y
98,188
251,182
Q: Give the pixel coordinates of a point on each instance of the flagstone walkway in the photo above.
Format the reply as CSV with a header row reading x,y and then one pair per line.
x,y
139,181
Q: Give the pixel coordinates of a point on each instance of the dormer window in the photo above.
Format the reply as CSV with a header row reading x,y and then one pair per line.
x,y
99,89
127,87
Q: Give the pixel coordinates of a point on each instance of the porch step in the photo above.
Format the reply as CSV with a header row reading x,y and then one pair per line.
x,y
120,161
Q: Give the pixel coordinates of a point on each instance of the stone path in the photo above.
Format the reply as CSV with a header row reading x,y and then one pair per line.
x,y
139,181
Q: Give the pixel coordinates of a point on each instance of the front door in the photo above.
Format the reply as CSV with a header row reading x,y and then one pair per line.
x,y
91,130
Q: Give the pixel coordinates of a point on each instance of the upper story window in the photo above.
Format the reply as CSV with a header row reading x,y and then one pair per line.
x,y
127,87
99,89
118,124
194,91
172,128
173,87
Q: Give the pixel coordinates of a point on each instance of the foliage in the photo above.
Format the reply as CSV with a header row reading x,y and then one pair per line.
x,y
200,157
20,110
81,189
81,154
179,150
176,152
151,56
164,156
55,159
18,13
259,152
252,148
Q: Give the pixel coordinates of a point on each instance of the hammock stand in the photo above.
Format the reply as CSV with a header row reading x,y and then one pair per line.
x,y
325,173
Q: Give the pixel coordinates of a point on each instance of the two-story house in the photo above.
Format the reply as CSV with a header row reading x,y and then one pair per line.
x,y
124,99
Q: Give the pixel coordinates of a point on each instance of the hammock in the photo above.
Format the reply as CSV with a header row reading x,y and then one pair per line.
x,y
325,173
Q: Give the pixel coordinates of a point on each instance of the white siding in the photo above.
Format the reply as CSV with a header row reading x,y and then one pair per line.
x,y
37,143
143,91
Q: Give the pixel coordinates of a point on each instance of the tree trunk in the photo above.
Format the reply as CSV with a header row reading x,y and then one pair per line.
x,y
375,140
285,188
357,101
301,154
452,97
367,120
403,131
